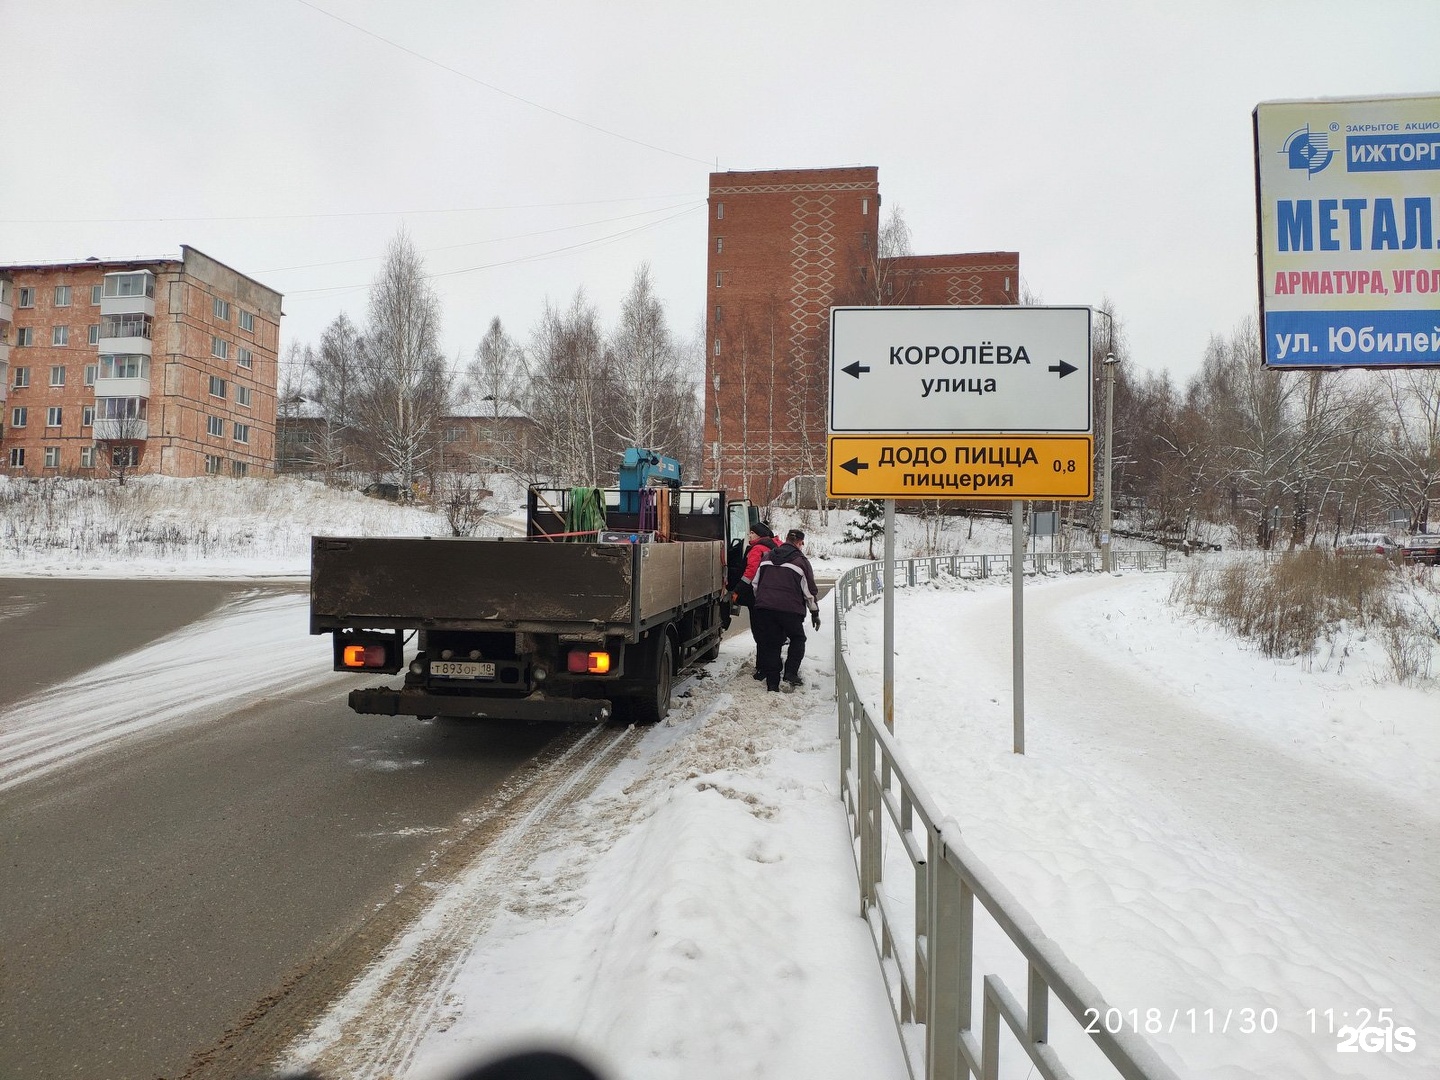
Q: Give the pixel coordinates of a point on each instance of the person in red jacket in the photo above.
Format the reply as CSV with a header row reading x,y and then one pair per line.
x,y
761,540
784,592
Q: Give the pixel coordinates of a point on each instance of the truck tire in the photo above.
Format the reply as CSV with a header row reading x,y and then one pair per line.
x,y
654,706
712,653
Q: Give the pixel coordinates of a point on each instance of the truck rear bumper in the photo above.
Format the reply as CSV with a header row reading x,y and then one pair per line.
x,y
386,702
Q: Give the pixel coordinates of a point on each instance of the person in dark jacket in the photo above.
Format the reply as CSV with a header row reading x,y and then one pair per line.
x,y
784,592
762,539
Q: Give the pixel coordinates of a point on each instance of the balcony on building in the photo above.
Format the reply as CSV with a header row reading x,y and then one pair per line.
x,y
128,293
127,334
123,375
121,419
7,300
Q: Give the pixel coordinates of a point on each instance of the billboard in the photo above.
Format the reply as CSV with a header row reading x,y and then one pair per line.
x,y
1347,196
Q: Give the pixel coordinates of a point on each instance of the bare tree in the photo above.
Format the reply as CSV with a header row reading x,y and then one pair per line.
x,y
645,367
1408,443
121,436
569,392
403,379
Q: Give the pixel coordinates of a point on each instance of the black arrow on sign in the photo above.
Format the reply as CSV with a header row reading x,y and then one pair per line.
x,y
854,369
1063,368
854,465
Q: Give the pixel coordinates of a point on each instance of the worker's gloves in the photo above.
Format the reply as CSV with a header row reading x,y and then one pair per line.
x,y
815,619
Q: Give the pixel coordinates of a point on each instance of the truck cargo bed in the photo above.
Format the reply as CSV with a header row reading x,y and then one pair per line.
x,y
514,584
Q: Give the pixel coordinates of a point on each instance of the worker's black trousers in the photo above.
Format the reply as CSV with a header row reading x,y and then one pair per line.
x,y
772,628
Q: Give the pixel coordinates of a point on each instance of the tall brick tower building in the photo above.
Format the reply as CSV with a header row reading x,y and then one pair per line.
x,y
784,247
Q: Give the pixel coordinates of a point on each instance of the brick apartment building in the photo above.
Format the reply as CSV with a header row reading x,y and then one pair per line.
x,y
784,247
475,437
161,366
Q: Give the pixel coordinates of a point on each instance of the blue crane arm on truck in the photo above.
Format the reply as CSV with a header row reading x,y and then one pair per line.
x,y
549,626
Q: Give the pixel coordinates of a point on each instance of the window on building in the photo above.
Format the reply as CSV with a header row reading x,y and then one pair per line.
x,y
130,325
242,433
213,465
717,346
717,314
17,457
62,295
87,453
141,283
247,322
719,211
239,468
215,425
243,358
719,244
222,309
92,371
60,335
219,347
217,386
57,374
19,416
22,378
26,297
124,366
52,457
718,283
124,457
25,335
87,416
120,408
96,291
94,334
53,415
242,396
865,207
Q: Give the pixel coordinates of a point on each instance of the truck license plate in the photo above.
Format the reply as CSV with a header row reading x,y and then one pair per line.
x,y
462,669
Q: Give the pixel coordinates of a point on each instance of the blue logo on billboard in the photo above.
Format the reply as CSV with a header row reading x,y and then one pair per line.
x,y
1308,150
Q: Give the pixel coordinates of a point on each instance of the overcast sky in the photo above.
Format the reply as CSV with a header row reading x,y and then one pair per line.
x,y
534,148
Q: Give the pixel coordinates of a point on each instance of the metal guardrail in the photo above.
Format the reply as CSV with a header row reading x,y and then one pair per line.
x,y
932,991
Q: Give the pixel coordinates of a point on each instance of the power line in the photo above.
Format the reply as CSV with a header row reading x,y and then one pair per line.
x,y
500,90
338,214
513,262
476,243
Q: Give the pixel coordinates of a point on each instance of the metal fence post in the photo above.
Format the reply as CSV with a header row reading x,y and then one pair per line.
x,y
949,948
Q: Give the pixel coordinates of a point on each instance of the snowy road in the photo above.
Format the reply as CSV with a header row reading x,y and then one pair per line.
x,y
1199,827
202,843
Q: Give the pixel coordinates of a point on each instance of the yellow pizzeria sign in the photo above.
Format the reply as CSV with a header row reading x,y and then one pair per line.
x,y
961,467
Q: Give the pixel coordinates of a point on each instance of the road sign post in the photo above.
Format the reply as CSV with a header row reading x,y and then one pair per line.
x,y
960,403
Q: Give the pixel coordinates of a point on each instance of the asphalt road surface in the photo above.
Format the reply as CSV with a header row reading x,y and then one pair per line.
x,y
181,904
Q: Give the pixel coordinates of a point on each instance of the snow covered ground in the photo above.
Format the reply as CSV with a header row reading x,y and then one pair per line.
x,y
1198,827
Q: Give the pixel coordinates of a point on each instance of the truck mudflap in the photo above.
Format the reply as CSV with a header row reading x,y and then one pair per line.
x,y
386,702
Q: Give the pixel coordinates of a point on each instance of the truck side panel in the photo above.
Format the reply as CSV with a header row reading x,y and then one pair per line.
x,y
463,583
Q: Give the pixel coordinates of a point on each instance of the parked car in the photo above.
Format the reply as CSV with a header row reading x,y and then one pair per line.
x,y
1424,548
1368,543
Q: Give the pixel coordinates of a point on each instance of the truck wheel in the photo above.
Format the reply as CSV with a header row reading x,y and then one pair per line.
x,y
653,707
712,653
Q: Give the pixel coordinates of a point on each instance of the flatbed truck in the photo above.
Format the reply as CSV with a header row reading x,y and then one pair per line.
x,y
548,626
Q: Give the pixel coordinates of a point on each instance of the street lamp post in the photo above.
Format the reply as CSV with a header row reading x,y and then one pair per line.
x,y
1105,519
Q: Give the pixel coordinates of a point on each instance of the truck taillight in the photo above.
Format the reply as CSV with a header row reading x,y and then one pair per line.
x,y
364,656
369,650
580,662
